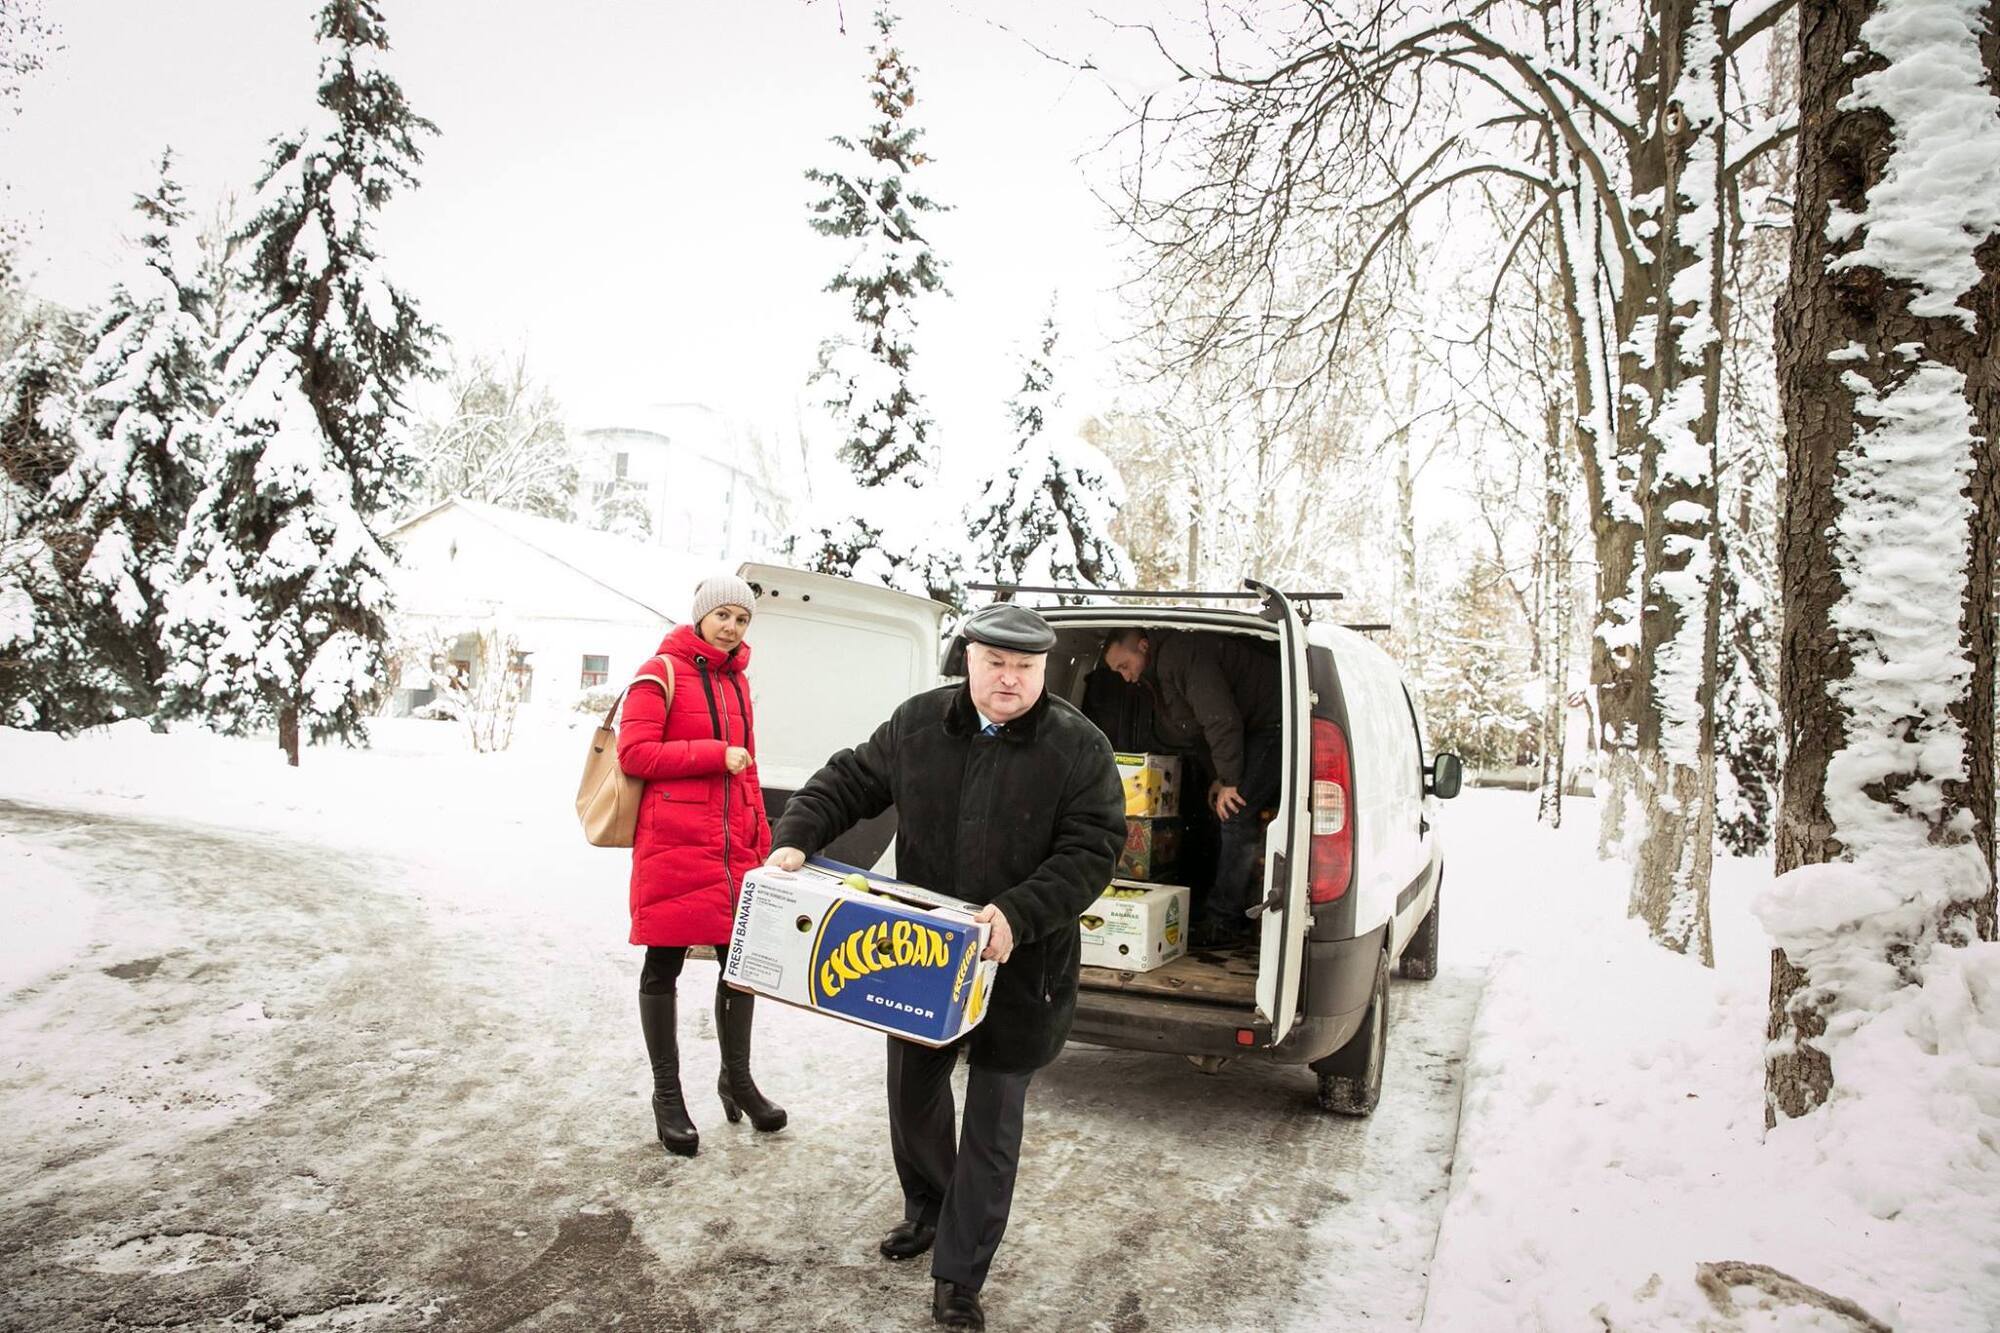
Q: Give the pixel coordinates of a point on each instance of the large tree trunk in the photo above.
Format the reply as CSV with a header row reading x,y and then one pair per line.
x,y
1605,444
1406,630
1553,598
1886,666
288,732
1678,624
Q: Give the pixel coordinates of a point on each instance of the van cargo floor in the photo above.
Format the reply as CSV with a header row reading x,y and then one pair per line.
x,y
1228,975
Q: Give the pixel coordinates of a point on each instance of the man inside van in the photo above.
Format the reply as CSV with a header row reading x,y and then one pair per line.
x,y
1220,690
1008,797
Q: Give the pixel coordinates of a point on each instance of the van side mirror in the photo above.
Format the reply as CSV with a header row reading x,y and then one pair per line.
x,y
1447,775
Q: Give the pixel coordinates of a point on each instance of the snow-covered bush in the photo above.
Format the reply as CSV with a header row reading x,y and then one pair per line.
x,y
480,677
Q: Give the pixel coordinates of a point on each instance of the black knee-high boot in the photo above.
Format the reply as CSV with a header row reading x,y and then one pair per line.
x,y
733,1012
670,1114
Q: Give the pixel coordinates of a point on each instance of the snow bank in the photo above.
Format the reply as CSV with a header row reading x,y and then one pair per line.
x,y
1613,1142
1612,1137
500,829
47,913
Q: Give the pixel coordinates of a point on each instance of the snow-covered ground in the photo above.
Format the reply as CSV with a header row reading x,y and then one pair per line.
x,y
352,1046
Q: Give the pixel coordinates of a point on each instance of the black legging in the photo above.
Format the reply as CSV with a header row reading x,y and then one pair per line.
x,y
661,969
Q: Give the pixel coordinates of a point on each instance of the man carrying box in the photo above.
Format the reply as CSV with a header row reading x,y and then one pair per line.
x,y
1218,688
1009,798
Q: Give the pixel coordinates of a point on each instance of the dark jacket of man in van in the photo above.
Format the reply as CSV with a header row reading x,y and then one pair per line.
x,y
1221,689
1004,796
1218,688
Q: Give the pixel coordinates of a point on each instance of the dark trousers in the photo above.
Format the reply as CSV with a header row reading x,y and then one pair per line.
x,y
1236,855
661,969
961,1183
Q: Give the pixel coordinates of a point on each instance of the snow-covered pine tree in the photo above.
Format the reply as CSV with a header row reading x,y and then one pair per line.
x,y
1044,517
1475,678
873,203
281,609
143,399
47,678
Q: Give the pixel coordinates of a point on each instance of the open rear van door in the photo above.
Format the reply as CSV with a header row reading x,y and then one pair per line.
x,y
831,659
1287,913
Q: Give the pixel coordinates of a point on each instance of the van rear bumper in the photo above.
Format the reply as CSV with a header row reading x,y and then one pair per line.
x,y
1340,976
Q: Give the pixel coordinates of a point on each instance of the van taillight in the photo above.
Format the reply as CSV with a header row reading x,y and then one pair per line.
x,y
1332,865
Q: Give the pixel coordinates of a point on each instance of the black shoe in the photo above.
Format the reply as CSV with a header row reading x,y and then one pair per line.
x,y
734,1011
670,1121
907,1240
670,1116
1207,935
955,1306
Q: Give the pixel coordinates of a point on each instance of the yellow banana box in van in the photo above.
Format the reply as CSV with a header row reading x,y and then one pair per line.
x,y
1152,784
1136,927
861,947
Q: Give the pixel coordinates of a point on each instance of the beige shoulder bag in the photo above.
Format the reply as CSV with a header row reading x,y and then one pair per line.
x,y
607,800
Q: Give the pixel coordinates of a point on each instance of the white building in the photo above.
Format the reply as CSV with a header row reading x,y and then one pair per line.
x,y
703,478
584,607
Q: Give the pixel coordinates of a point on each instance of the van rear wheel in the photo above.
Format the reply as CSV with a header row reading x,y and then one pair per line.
x,y
1350,1080
1420,955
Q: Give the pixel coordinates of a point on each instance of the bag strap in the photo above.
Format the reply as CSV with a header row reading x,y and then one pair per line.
x,y
666,687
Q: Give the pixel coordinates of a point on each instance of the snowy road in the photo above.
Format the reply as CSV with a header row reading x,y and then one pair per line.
x,y
272,1083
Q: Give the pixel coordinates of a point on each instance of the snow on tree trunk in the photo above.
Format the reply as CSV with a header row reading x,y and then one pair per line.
x,y
1675,759
1746,731
885,531
281,611
1406,629
1890,385
1596,309
1552,598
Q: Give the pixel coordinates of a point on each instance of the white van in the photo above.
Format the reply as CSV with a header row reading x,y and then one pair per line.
x,y
830,660
1352,866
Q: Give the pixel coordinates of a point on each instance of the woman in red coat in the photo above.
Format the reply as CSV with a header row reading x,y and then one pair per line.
x,y
701,826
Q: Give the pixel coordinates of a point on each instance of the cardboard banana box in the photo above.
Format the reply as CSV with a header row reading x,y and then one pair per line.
x,y
863,948
1152,848
1152,784
1136,927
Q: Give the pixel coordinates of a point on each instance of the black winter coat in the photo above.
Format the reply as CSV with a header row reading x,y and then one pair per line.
x,y
1031,820
1214,687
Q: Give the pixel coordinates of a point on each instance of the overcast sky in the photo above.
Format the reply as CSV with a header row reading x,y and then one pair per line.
x,y
617,186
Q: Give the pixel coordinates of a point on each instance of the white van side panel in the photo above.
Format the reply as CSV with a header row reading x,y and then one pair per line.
x,y
830,660
1281,948
1388,776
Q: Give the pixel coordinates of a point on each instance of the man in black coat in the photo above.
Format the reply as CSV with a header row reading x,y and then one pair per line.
x,y
1007,797
1222,690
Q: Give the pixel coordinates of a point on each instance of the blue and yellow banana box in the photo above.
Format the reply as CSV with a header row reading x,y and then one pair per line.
x,y
862,947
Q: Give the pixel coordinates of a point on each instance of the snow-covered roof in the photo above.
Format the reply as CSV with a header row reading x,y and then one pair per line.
x,y
652,578
696,425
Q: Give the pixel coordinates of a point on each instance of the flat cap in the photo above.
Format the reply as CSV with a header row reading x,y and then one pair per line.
x,y
1005,625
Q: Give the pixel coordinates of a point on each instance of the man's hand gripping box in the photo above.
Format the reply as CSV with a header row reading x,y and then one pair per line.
x,y
871,950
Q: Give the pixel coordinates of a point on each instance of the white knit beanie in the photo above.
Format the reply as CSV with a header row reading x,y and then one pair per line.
x,y
722,590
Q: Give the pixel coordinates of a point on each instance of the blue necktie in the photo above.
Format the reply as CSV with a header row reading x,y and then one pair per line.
x,y
990,729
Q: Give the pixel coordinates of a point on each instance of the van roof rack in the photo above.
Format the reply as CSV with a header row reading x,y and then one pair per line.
x,y
1246,595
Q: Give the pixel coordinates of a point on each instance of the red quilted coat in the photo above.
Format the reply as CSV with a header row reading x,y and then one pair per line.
x,y
700,826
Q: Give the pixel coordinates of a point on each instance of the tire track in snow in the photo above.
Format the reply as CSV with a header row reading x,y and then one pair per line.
x,y
446,1093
